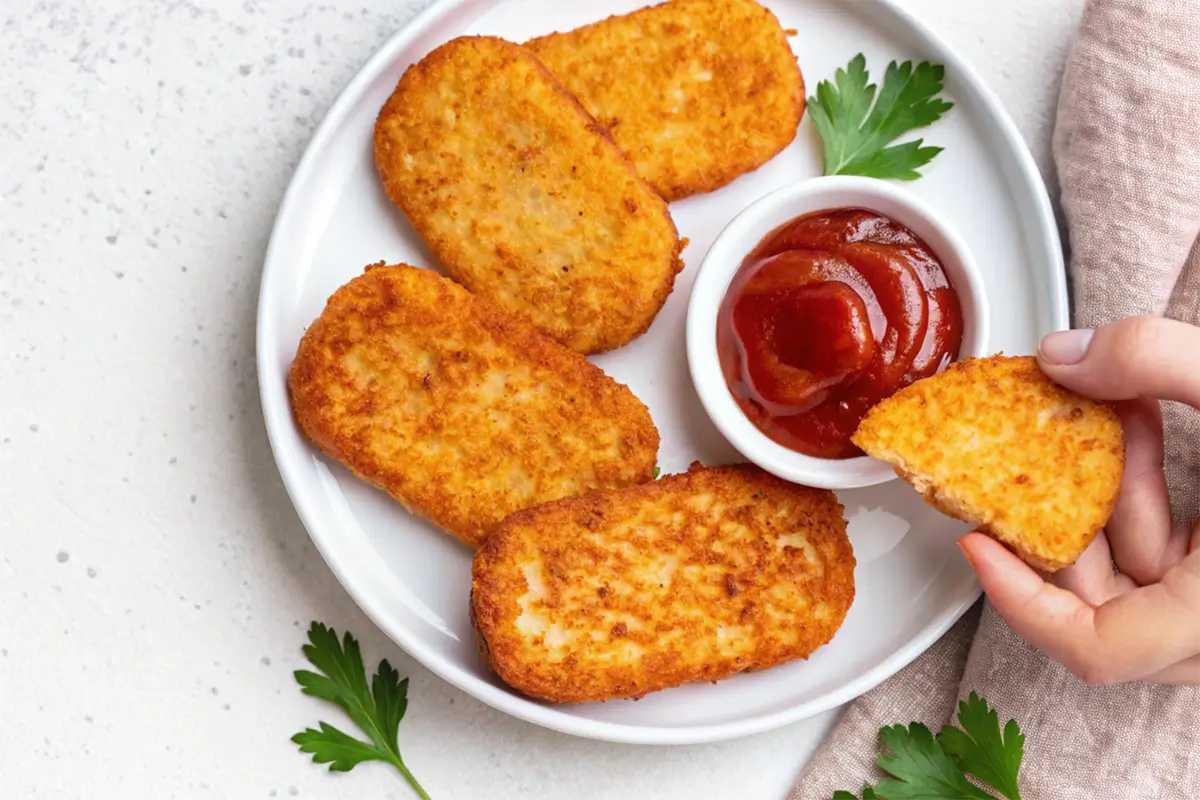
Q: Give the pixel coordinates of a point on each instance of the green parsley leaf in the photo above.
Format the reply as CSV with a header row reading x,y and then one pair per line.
x,y
376,710
657,472
868,794
922,769
330,746
982,750
856,135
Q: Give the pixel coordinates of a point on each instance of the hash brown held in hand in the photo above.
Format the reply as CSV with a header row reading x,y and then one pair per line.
x,y
456,409
693,577
994,442
696,92
523,197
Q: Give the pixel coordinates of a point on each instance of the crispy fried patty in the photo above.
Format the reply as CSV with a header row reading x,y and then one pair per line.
x,y
994,442
696,92
459,411
523,197
693,577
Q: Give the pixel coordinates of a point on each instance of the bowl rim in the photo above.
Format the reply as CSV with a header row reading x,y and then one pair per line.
x,y
723,261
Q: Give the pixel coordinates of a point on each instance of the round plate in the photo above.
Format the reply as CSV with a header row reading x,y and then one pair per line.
x,y
413,581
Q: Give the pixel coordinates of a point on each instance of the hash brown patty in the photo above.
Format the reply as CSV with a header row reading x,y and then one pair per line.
x,y
694,577
459,411
994,442
696,92
523,197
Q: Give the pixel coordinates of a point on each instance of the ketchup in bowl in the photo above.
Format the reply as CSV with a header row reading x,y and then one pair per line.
x,y
828,315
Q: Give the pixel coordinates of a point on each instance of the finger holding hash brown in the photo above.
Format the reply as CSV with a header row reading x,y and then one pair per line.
x,y
523,197
696,92
994,442
693,577
459,411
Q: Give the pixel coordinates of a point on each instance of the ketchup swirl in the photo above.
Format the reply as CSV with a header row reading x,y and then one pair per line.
x,y
828,315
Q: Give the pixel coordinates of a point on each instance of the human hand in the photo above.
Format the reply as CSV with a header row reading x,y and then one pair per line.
x,y
1143,622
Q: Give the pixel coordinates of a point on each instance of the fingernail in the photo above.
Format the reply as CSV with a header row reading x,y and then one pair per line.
x,y
966,554
1066,347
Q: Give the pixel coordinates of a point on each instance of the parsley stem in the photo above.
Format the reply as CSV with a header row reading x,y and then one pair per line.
x,y
412,781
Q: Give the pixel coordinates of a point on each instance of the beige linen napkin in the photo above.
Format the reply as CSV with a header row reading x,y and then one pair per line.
x,y
1127,146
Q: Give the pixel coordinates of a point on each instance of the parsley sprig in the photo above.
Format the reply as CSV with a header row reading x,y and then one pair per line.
x,y
857,135
923,767
376,710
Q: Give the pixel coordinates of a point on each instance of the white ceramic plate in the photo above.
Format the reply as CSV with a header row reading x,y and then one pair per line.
x,y
413,581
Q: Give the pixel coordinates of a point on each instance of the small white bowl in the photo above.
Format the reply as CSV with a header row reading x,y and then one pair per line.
x,y
725,258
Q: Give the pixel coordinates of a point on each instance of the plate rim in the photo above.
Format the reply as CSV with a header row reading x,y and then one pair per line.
x,y
277,413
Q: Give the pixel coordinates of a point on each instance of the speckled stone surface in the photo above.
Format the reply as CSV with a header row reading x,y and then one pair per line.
x,y
155,581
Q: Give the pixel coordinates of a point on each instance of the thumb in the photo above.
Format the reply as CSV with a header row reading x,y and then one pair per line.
x,y
1133,357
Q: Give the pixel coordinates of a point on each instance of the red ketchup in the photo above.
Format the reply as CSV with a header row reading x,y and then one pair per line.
x,y
830,314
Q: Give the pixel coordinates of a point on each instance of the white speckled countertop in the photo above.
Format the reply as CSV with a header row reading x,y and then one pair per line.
x,y
155,580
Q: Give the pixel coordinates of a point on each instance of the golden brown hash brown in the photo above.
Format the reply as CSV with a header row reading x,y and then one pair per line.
x,y
994,442
696,92
456,409
693,577
523,198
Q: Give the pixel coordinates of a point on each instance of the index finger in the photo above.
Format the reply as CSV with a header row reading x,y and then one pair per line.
x,y
1131,358
1132,636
